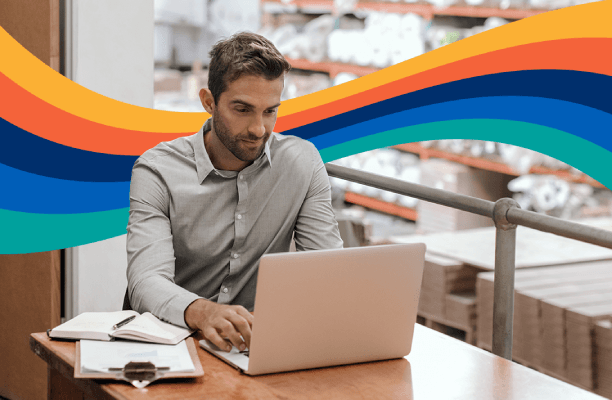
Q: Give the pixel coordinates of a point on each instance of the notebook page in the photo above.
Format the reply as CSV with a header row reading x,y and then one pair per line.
x,y
147,325
94,321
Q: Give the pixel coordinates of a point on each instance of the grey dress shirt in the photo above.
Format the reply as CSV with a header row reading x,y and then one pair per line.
x,y
197,232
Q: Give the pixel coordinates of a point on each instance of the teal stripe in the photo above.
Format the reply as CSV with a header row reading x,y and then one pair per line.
x,y
29,233
573,150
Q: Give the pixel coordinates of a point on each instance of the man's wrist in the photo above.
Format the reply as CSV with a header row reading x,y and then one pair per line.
x,y
195,312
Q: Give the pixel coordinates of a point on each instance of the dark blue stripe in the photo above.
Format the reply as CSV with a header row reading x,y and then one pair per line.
x,y
583,121
27,152
585,88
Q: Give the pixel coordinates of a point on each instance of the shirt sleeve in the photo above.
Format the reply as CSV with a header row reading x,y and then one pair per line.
x,y
316,227
150,251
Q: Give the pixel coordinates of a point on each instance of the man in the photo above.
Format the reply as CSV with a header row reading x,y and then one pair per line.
x,y
205,208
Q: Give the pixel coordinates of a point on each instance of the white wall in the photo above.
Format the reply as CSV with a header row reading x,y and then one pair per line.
x,y
112,54
113,47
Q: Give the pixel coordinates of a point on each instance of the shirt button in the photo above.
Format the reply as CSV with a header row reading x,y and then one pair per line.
x,y
224,290
239,216
235,255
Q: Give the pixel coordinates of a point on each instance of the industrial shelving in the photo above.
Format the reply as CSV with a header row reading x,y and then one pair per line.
x,y
425,153
381,205
495,166
330,67
427,11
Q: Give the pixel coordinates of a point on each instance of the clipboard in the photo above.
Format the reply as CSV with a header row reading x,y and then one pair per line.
x,y
141,374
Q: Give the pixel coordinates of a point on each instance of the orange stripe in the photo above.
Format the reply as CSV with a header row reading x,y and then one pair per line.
x,y
567,54
32,114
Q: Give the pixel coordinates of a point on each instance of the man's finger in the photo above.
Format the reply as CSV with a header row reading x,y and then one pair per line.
x,y
229,330
242,326
213,336
246,315
237,341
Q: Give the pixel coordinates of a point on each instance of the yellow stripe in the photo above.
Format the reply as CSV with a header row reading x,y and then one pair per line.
x,y
585,21
588,20
33,75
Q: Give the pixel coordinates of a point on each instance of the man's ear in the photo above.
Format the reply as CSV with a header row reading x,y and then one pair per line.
x,y
207,99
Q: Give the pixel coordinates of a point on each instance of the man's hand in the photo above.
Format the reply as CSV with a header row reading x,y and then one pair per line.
x,y
219,323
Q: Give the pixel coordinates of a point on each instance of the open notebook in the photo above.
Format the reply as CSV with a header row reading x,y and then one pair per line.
x,y
99,326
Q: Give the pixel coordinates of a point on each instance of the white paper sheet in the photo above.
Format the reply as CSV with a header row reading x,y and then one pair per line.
x,y
99,356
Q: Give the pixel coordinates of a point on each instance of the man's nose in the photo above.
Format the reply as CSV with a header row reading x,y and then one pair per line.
x,y
257,127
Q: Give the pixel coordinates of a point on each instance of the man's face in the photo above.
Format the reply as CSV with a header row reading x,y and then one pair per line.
x,y
245,115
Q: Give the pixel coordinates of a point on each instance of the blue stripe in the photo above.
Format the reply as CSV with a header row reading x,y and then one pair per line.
x,y
584,88
32,193
579,120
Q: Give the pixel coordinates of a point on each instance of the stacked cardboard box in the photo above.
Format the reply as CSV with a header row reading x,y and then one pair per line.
x,y
603,357
555,311
530,312
447,294
476,248
533,248
580,326
554,338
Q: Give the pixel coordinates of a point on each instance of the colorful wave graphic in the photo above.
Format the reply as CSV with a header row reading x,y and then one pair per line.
x,y
542,83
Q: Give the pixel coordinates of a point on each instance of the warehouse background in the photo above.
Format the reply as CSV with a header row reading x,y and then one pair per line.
x,y
331,42
563,311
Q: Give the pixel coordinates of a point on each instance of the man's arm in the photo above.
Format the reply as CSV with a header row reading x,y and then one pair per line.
x,y
316,227
151,268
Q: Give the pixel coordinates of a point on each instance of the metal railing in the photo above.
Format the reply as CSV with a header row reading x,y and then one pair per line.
x,y
506,215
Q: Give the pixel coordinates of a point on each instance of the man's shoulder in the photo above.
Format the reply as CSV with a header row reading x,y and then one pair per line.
x,y
181,147
288,147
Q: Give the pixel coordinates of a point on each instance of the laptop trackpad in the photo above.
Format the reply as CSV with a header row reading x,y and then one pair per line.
x,y
235,357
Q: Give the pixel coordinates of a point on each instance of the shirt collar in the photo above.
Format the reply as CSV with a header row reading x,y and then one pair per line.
x,y
204,165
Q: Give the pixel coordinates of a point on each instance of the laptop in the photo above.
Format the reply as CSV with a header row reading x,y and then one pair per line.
x,y
331,307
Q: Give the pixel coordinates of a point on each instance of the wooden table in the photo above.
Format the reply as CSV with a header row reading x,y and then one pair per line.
x,y
439,367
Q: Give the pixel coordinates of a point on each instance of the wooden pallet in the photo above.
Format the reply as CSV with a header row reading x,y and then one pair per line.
x,y
446,326
461,314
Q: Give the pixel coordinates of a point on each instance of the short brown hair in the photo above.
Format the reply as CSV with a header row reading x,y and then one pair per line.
x,y
244,53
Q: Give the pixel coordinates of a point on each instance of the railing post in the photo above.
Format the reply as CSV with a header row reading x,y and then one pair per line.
x,y
503,296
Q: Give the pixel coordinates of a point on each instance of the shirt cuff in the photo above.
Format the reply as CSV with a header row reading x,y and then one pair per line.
x,y
176,308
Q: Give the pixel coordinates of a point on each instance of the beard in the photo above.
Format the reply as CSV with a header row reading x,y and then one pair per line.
x,y
235,144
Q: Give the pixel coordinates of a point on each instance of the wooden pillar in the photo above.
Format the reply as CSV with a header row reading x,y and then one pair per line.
x,y
30,286
31,302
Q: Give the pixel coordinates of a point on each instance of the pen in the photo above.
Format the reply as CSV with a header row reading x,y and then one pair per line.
x,y
125,321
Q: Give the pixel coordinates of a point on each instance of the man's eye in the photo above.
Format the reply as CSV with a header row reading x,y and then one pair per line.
x,y
271,111
242,110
